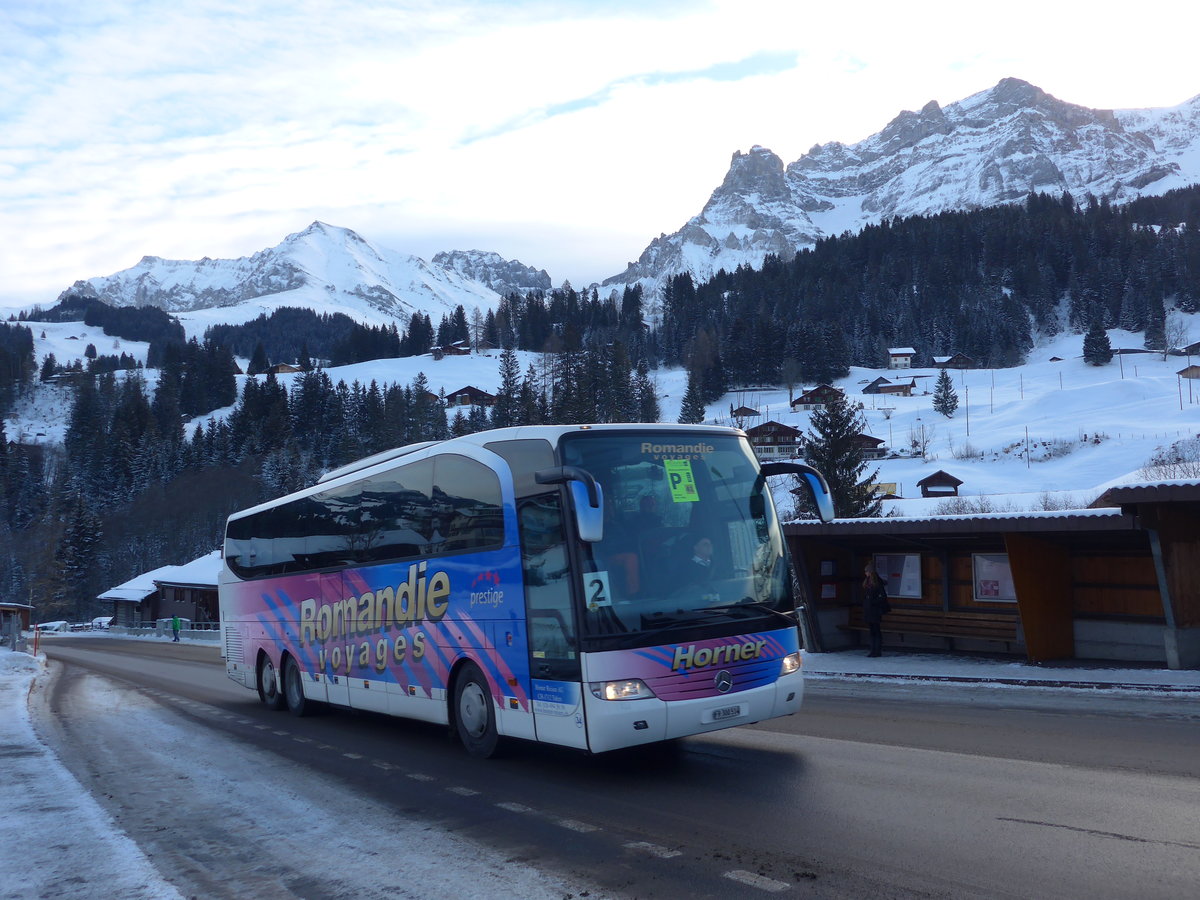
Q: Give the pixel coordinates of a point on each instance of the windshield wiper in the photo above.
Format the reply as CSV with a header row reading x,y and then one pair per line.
x,y
757,604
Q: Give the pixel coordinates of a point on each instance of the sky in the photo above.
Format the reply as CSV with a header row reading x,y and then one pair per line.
x,y
566,134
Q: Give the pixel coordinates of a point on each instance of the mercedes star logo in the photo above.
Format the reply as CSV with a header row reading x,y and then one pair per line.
x,y
723,681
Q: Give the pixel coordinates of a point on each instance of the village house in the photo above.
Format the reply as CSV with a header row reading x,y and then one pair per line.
x,y
1189,372
900,357
470,396
816,398
871,447
774,440
957,361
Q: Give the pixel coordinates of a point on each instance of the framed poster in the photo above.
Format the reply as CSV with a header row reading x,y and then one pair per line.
x,y
993,578
902,572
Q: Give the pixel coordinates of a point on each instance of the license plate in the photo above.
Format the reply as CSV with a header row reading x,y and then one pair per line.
x,y
725,712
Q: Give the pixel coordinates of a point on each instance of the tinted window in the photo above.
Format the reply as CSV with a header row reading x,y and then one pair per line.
x,y
396,510
468,504
422,509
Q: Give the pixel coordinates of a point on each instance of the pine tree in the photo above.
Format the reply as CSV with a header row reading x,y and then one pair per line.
x,y
258,361
832,449
945,398
692,411
504,413
1097,350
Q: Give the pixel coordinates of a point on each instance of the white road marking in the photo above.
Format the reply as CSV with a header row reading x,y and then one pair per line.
x,y
576,825
757,881
514,807
653,849
418,776
463,791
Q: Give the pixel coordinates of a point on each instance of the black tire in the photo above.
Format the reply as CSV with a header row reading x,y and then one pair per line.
x,y
474,713
268,685
293,689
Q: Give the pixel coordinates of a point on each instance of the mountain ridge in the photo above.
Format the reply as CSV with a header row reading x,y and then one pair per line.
x,y
991,148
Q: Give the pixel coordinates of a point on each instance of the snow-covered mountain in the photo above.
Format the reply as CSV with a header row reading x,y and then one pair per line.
x,y
324,267
991,148
504,276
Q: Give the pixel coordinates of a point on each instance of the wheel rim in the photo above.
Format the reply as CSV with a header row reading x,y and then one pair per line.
x,y
291,685
472,710
268,679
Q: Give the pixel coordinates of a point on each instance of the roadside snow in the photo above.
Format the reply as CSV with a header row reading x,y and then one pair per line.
x,y
55,840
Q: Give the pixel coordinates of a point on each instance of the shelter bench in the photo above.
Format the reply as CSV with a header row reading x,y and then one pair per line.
x,y
986,626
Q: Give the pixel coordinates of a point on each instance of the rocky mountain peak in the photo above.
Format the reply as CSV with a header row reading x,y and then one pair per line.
x,y
504,276
993,147
757,172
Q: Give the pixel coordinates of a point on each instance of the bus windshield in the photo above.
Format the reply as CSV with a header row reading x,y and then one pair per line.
x,y
690,534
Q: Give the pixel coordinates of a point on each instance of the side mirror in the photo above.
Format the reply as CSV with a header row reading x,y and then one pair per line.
x,y
586,498
813,480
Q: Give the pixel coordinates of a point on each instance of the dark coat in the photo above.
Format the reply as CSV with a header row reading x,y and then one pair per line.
x,y
875,602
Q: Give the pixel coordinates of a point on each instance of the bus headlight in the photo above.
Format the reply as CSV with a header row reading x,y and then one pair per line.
x,y
629,689
791,663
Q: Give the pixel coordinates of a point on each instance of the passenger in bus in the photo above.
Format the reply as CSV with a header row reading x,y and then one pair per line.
x,y
700,568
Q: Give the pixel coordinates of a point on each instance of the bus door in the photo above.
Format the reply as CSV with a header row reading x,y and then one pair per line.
x,y
554,666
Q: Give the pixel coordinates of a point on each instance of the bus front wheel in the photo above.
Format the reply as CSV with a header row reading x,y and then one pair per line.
x,y
293,689
474,713
268,684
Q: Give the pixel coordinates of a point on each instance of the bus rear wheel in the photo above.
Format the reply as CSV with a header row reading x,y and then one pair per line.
x,y
268,684
293,689
474,713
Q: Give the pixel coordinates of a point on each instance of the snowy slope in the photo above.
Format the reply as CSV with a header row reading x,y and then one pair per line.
x,y
1087,426
324,268
991,148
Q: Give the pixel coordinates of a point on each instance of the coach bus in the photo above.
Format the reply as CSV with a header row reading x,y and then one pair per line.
x,y
592,586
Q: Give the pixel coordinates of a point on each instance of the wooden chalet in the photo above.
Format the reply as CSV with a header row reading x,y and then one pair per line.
x,y
898,389
875,386
939,484
458,348
470,396
871,447
742,412
816,398
190,591
774,440
956,361
1192,371
19,611
284,369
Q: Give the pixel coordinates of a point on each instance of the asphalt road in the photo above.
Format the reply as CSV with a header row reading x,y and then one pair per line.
x,y
874,790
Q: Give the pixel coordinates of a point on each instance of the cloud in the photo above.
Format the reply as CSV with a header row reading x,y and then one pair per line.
x,y
760,64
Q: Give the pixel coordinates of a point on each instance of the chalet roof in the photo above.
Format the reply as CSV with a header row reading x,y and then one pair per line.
x,y
940,477
771,427
971,524
870,439
1179,490
1192,371
200,572
901,351
744,411
137,588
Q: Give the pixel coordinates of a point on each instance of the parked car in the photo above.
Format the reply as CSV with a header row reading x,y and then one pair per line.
x,y
102,623
53,626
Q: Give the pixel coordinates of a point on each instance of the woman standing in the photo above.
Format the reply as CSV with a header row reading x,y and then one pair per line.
x,y
875,604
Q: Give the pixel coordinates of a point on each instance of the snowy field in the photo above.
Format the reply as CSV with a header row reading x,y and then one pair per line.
x,y
1050,432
